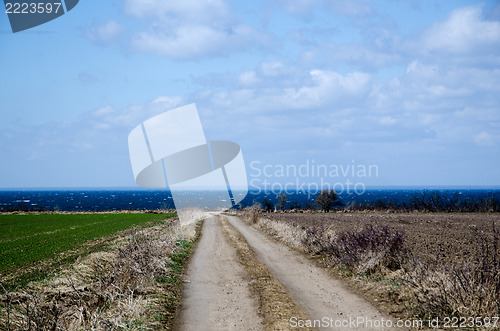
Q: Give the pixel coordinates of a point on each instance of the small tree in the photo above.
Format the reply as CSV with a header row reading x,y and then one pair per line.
x,y
327,199
268,205
282,200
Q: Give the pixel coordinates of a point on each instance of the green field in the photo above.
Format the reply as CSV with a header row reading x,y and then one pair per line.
x,y
27,239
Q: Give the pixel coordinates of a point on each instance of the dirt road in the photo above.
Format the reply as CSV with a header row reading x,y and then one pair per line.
x,y
221,294
217,294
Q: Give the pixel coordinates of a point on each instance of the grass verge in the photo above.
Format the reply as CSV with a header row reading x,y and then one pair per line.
x,y
172,283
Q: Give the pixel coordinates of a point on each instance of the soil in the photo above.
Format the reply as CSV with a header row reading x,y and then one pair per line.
x,y
448,236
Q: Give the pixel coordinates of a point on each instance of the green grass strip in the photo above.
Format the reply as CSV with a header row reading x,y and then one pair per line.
x,y
172,283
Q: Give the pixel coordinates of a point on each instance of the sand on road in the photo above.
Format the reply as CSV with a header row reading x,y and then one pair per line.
x,y
218,294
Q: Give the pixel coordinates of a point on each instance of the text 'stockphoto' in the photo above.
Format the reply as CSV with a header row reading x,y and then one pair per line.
x,y
170,151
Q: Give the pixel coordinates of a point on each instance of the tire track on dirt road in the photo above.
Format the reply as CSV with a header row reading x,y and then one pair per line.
x,y
236,271
217,294
312,288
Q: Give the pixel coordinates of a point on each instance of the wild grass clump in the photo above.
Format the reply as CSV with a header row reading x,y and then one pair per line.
x,y
251,214
190,215
110,290
363,251
287,233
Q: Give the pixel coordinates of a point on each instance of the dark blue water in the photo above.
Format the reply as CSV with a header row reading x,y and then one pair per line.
x,y
85,200
102,200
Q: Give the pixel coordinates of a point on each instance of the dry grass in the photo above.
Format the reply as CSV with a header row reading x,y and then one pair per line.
x,y
190,215
252,213
461,287
115,289
290,235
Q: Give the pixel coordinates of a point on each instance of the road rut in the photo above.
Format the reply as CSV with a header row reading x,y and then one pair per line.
x,y
219,296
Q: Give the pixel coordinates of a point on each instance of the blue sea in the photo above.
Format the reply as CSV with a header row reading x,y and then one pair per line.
x,y
130,199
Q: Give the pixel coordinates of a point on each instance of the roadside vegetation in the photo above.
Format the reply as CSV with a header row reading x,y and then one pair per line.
x,y
418,265
131,281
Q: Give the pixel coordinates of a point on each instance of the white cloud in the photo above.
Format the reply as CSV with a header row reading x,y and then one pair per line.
x,y
331,84
320,88
168,102
464,37
304,8
186,10
195,41
100,130
483,139
360,56
105,33
192,29
422,70
248,78
350,8
465,31
388,120
301,8
429,102
273,68
103,111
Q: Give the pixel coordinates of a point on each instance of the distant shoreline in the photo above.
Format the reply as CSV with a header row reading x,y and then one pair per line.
x,y
368,187
449,200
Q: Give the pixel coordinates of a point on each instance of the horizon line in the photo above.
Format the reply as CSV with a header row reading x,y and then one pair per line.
x,y
138,188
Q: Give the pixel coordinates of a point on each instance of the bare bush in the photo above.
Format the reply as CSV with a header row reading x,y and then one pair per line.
x,y
287,233
251,214
362,251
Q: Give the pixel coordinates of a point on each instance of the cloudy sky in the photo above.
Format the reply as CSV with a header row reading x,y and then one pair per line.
x,y
412,87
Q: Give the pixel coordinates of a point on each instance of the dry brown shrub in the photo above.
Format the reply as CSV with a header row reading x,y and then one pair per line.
x,y
251,214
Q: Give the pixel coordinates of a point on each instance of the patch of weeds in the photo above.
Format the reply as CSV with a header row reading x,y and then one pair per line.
x,y
377,278
394,282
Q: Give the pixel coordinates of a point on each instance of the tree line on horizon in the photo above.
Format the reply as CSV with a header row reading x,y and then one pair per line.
x,y
329,200
424,201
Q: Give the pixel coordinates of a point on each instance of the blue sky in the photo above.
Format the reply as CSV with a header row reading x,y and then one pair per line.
x,y
410,86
